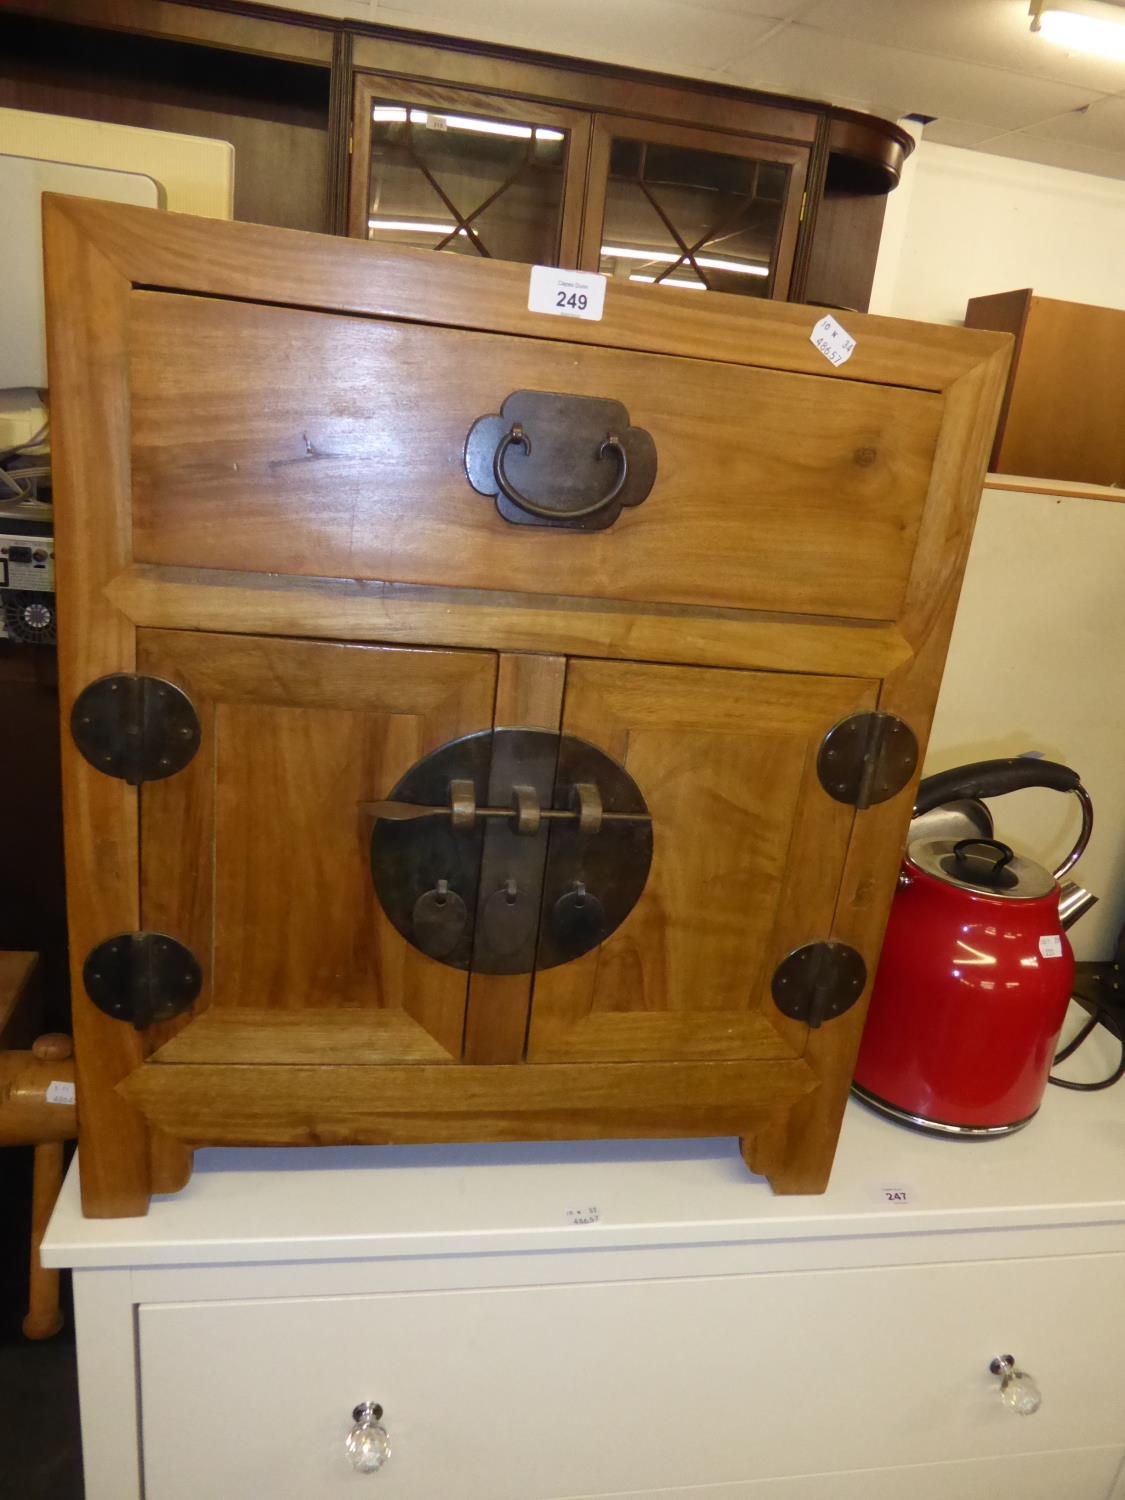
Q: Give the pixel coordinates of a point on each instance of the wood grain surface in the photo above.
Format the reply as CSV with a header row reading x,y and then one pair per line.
x,y
88,357
335,608
1062,414
321,1106
16,970
722,759
288,267
796,1152
256,857
286,469
292,442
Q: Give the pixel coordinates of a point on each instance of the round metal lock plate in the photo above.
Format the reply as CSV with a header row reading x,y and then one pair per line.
x,y
818,982
516,875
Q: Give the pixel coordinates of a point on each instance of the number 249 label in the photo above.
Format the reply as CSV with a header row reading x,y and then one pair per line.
x,y
566,294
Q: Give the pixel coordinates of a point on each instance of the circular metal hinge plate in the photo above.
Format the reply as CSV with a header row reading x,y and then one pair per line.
x,y
135,728
867,758
142,977
818,982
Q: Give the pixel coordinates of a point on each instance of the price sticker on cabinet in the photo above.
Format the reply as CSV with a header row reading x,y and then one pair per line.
x,y
588,1215
833,341
566,294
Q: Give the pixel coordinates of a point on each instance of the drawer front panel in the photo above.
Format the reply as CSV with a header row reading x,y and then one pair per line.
x,y
544,1393
1079,1474
296,442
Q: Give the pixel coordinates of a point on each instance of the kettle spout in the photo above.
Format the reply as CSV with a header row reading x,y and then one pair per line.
x,y
1074,902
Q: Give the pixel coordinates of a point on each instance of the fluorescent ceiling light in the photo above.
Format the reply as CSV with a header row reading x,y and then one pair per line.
x,y
1081,26
396,114
666,258
692,286
409,226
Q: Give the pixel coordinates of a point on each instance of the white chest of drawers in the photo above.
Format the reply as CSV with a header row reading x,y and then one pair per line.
x,y
547,1323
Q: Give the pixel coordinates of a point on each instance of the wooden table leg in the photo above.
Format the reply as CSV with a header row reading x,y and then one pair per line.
x,y
43,1316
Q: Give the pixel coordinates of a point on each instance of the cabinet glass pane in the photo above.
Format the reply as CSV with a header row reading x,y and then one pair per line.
x,y
466,183
689,218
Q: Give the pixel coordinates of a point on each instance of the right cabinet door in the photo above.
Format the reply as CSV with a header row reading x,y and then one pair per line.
x,y
676,206
748,851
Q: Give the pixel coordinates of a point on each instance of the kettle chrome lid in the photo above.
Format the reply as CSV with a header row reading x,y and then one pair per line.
x,y
986,867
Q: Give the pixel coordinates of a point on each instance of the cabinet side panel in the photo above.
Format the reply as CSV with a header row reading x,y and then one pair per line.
x,y
87,338
797,1155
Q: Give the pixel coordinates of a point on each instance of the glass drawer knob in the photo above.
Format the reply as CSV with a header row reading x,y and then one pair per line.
x,y
367,1444
1018,1389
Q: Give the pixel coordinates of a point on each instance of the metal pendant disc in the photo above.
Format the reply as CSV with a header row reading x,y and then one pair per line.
x,y
439,920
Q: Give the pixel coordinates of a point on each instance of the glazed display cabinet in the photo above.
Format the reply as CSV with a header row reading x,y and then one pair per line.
x,y
481,724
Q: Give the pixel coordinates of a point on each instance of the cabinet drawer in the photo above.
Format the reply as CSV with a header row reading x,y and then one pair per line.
x,y
287,441
1079,1474
544,1393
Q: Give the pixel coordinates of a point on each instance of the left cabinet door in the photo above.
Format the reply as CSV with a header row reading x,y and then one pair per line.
x,y
475,174
256,856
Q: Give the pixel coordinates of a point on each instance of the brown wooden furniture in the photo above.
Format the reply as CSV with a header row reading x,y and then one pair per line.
x,y
793,188
33,1114
1061,417
260,442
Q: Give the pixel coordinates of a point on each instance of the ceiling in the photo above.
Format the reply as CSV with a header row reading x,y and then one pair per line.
x,y
973,65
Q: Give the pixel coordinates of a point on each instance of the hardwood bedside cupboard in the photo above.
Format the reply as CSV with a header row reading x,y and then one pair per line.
x,y
481,725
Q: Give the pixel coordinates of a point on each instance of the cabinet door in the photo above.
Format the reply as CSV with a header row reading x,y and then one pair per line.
x,y
747,854
692,208
475,174
255,855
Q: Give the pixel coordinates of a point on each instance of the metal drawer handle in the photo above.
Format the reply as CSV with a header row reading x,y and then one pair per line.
x,y
525,810
1018,1389
367,1444
517,435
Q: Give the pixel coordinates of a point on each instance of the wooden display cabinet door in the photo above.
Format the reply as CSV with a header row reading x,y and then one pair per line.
x,y
748,854
256,858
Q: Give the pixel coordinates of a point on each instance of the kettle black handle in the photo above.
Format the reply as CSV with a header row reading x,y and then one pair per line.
x,y
992,778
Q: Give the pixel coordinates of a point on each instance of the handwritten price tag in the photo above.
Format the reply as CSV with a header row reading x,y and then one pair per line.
x,y
895,1195
59,1092
834,342
582,1216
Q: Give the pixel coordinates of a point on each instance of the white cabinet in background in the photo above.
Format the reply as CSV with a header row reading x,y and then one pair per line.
x,y
634,1321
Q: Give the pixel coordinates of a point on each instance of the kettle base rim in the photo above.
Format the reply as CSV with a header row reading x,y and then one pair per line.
x,y
936,1127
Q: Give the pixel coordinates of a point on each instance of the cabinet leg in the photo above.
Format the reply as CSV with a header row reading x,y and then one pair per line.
x,y
170,1162
778,1151
43,1317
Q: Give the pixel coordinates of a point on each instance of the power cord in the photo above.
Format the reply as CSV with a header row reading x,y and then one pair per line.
x,y
1098,1016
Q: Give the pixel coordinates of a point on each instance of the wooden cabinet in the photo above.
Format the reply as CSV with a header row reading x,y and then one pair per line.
x,y
714,190
480,150
1061,417
696,208
419,795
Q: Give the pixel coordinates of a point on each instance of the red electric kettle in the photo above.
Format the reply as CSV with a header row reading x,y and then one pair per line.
x,y
976,971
